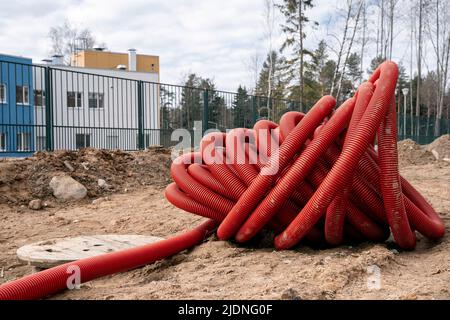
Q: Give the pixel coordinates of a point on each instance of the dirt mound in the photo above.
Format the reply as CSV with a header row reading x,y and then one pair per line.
x,y
440,147
26,179
412,153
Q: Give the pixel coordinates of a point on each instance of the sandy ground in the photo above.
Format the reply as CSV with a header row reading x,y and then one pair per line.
x,y
224,270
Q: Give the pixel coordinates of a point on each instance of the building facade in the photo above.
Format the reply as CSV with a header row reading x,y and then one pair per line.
x,y
17,121
64,107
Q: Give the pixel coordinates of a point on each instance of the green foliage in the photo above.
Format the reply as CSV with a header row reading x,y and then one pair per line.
x,y
291,28
277,77
242,109
374,63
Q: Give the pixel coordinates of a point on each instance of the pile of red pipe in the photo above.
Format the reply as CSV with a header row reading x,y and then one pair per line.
x,y
323,182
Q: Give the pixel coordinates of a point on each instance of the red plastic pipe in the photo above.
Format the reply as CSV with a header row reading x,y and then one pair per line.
x,y
316,185
54,280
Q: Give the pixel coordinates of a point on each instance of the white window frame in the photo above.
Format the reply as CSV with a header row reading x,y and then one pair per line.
x,y
96,96
3,141
25,97
4,90
76,99
23,140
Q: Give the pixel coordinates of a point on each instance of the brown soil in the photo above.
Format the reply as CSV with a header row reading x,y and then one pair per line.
x,y
412,153
215,269
441,146
26,179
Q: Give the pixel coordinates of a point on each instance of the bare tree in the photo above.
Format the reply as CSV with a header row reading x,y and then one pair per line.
x,y
364,38
419,58
342,44
411,64
392,5
382,44
67,39
300,26
440,40
253,65
349,49
269,23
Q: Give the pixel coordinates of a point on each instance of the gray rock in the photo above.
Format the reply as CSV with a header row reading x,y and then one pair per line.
x,y
69,166
35,204
66,188
102,183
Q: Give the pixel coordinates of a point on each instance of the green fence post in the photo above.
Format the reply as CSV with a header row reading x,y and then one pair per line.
x,y
205,111
49,143
254,116
140,111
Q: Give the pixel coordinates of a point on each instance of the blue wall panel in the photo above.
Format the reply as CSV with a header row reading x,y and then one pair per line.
x,y
16,117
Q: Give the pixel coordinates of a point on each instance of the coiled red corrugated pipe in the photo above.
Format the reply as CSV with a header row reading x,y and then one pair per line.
x,y
324,182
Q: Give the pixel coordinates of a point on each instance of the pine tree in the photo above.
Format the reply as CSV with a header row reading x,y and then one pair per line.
x,y
278,81
167,114
374,63
242,109
293,28
322,68
353,68
192,102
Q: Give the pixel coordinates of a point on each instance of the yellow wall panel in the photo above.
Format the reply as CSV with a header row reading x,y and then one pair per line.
x,y
110,60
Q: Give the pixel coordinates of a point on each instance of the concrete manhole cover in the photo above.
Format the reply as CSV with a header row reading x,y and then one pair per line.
x,y
50,253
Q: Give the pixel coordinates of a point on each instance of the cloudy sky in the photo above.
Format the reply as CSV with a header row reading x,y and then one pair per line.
x,y
213,38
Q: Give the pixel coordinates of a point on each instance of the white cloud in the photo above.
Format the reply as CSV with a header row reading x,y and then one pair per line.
x,y
212,38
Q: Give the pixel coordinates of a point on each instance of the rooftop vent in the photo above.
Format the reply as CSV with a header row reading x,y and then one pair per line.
x,y
132,59
57,59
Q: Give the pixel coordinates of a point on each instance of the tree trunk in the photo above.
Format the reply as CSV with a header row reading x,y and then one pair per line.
x,y
383,52
341,49
444,75
411,65
300,26
349,50
270,27
419,59
363,44
392,7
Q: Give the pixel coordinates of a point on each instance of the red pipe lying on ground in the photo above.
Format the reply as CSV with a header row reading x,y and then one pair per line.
x,y
315,176
51,281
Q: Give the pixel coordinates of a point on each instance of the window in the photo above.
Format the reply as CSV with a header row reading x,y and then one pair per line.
x,y
23,141
112,142
2,93
22,95
82,140
74,99
39,98
2,141
95,100
41,144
